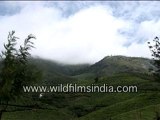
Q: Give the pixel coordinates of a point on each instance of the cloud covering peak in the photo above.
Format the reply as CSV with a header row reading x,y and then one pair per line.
x,y
83,32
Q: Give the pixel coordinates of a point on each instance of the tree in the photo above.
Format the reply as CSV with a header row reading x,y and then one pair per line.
x,y
155,50
16,70
96,79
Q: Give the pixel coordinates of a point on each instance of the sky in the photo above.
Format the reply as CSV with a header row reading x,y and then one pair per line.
x,y
76,32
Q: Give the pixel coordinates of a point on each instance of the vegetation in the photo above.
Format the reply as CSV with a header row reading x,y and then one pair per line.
x,y
89,106
16,71
155,49
111,70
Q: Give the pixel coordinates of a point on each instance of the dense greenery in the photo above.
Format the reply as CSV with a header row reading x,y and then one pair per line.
x,y
111,70
15,71
89,106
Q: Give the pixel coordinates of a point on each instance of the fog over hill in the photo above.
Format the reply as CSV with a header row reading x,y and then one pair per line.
x,y
107,66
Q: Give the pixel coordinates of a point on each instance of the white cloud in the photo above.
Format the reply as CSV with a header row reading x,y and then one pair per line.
x,y
148,29
84,37
87,36
138,50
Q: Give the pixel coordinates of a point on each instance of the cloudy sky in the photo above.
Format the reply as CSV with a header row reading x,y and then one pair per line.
x,y
82,32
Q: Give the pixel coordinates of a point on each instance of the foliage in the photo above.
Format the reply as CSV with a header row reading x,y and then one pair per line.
x,y
155,50
90,106
16,71
7,72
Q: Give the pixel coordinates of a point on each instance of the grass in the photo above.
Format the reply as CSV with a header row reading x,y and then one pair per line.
x,y
146,113
98,106
36,115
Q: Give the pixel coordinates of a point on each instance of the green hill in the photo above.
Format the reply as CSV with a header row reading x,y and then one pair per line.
x,y
117,64
112,70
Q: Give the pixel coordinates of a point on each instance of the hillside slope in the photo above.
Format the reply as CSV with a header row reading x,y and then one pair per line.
x,y
113,70
118,64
